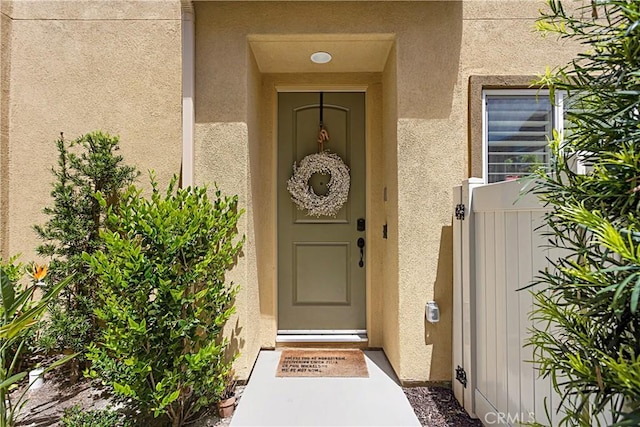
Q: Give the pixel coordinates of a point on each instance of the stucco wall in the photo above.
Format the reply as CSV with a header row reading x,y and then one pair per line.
x,y
221,33
117,68
75,68
5,68
424,150
496,38
391,292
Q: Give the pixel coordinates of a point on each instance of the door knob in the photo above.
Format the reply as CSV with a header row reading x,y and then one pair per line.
x,y
361,246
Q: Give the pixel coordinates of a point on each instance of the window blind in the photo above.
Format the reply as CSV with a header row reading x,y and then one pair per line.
x,y
517,131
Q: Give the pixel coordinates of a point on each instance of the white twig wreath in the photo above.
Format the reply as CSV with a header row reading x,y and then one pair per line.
x,y
302,193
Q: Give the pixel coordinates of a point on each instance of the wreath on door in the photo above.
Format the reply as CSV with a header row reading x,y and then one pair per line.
x,y
323,162
302,193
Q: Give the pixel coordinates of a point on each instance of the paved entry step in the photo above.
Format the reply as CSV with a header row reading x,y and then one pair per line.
x,y
376,400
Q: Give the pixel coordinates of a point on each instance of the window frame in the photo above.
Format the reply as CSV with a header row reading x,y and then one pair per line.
x,y
557,116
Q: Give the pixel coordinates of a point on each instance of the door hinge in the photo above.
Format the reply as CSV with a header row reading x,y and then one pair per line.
x,y
460,211
461,376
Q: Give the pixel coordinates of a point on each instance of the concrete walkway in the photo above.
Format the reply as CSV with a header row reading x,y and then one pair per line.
x,y
374,401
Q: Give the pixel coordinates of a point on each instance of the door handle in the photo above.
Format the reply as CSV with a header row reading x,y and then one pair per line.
x,y
361,246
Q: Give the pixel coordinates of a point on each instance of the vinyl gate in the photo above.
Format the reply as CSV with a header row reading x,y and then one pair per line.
x,y
496,251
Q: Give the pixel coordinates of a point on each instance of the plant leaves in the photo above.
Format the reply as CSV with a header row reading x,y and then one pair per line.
x,y
12,380
8,292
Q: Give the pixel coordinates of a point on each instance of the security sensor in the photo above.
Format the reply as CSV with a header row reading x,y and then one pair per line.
x,y
432,312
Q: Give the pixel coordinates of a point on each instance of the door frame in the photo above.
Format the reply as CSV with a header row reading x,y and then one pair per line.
x,y
337,336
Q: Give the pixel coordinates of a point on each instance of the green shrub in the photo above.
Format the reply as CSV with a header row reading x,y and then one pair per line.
x,y
164,300
85,166
77,417
587,313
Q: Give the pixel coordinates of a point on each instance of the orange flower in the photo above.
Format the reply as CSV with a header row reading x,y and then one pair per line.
x,y
39,272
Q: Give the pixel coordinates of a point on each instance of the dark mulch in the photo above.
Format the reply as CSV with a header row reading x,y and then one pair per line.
x,y
438,407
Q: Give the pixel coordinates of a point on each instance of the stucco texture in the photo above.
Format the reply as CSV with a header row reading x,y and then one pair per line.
x,y
423,152
5,55
74,69
116,66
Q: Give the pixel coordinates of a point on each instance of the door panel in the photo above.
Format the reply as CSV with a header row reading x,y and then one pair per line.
x,y
312,261
320,283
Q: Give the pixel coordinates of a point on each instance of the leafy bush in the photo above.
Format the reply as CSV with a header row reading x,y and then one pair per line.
x,y
77,417
85,166
164,300
64,330
587,313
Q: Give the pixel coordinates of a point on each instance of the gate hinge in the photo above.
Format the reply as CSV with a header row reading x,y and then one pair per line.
x,y
460,211
461,376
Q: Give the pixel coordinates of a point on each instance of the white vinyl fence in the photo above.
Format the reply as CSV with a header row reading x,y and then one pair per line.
x,y
497,250
499,247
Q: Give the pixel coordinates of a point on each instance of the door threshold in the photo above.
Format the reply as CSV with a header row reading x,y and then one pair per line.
x,y
343,338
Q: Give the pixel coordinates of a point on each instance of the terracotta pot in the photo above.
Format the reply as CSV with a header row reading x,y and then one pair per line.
x,y
226,407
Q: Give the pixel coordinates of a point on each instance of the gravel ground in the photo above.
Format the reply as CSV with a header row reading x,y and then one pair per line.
x,y
438,407
434,406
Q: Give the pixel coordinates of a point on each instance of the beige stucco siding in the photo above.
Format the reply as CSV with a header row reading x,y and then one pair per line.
x,y
424,150
391,292
497,38
76,69
5,84
116,66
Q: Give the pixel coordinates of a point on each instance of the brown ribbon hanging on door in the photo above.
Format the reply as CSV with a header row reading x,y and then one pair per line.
x,y
323,135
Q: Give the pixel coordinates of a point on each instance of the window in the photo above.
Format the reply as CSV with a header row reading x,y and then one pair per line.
x,y
517,125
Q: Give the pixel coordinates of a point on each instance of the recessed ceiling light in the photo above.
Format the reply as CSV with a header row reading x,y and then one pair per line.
x,y
320,57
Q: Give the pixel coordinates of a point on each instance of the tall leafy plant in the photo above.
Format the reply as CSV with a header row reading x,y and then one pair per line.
x,y
587,312
164,299
19,313
86,165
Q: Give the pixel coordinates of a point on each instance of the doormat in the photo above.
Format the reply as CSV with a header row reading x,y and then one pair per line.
x,y
322,363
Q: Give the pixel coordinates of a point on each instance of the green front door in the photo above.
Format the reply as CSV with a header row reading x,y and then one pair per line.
x,y
321,282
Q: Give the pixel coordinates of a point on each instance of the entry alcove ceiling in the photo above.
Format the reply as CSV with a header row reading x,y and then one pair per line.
x,y
290,53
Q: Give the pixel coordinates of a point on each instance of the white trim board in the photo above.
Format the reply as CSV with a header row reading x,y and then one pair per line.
x,y
321,338
321,331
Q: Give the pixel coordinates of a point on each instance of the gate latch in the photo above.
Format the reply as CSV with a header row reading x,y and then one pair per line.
x,y
461,376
